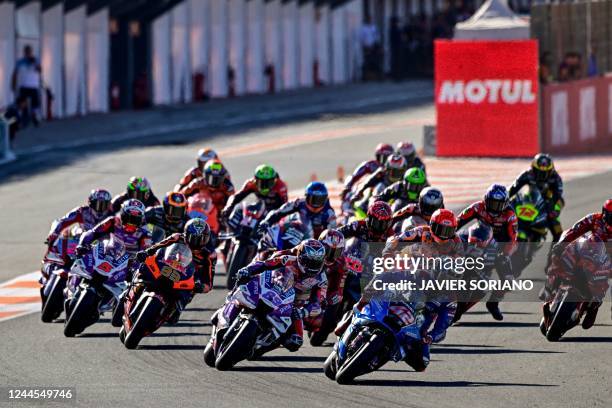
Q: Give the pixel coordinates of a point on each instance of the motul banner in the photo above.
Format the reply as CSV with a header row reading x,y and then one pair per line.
x,y
486,98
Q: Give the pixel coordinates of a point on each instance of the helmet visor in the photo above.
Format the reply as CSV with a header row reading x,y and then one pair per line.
x,y
332,254
175,213
414,187
264,185
382,157
311,265
137,194
316,200
395,174
443,231
495,206
541,175
133,220
100,206
196,240
607,216
213,180
378,226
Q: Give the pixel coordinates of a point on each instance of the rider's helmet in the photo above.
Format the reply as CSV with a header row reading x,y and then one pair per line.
x,y
430,200
443,225
480,235
214,173
205,155
606,212
139,188
132,215
395,167
415,181
175,207
316,196
383,150
310,256
333,241
99,201
543,166
496,199
197,233
379,217
265,178
407,150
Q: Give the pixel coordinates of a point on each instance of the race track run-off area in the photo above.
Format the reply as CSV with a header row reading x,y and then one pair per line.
x,y
481,363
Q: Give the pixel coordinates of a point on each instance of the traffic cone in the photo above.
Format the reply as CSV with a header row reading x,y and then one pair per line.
x,y
340,174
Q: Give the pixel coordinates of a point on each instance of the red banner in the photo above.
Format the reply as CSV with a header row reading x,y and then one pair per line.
x,y
486,98
577,116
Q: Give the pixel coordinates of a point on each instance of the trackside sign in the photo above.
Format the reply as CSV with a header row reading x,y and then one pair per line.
x,y
486,98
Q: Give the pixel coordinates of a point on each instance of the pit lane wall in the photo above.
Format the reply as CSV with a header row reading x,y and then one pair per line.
x,y
576,117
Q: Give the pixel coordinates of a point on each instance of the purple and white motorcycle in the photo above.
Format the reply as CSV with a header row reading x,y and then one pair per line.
x,y
252,321
95,284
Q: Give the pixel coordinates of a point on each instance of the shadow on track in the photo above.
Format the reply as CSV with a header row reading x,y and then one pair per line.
x,y
454,350
171,347
496,324
191,323
278,369
99,335
293,358
462,384
587,339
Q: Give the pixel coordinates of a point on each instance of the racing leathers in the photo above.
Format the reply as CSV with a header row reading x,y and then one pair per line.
x,y
83,215
310,292
504,225
317,221
552,192
156,216
204,260
593,223
219,195
276,197
397,191
134,241
150,201
365,168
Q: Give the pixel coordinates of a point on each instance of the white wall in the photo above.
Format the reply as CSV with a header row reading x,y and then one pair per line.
x,y
219,51
27,27
307,36
354,15
200,36
274,41
74,61
161,58
7,52
180,54
98,61
291,44
255,46
237,43
323,43
52,57
339,46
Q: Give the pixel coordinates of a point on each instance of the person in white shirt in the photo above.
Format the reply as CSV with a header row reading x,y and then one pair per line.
x,y
27,82
370,44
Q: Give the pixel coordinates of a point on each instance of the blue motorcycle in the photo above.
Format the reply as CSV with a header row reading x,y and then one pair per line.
x,y
382,331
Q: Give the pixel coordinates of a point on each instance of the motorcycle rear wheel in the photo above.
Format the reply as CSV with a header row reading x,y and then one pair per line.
x,y
54,303
149,313
81,315
238,259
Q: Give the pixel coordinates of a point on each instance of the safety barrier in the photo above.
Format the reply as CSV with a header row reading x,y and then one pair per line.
x,y
6,155
577,116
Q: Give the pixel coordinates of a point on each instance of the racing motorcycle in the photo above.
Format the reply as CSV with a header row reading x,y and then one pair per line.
x,y
163,279
95,284
564,311
285,234
252,321
244,238
378,333
56,264
200,205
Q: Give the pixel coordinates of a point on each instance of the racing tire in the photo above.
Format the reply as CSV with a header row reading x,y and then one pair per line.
x,y
54,302
209,354
118,311
85,307
559,323
354,365
238,259
329,367
236,344
149,313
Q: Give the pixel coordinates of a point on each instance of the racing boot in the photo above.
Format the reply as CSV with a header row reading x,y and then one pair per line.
x,y
493,308
590,316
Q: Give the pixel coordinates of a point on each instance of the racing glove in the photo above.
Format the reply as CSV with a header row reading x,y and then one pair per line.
x,y
141,256
82,250
242,275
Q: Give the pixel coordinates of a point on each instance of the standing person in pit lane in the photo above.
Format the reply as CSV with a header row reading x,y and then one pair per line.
x,y
382,152
408,150
266,185
204,155
493,210
314,210
543,176
405,191
137,188
214,182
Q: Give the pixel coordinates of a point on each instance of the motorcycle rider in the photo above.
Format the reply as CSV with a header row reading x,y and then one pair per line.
x,y
138,188
265,184
493,210
430,200
382,152
314,210
171,216
305,271
127,226
584,264
204,155
408,189
543,176
97,208
375,228
599,224
392,171
408,150
214,182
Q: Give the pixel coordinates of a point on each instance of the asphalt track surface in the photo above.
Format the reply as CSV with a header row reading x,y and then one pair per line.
x,y
482,363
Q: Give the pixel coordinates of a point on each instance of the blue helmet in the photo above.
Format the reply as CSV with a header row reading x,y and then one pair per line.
x,y
316,196
496,199
197,233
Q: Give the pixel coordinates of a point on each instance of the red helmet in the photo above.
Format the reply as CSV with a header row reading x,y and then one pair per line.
x,y
333,241
407,150
379,217
395,167
383,151
443,224
606,211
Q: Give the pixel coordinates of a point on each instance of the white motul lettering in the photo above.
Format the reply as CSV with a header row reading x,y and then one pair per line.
x,y
511,91
451,92
475,92
494,85
528,96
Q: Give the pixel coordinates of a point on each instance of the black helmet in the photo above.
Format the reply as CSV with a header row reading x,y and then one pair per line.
x,y
311,256
430,200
